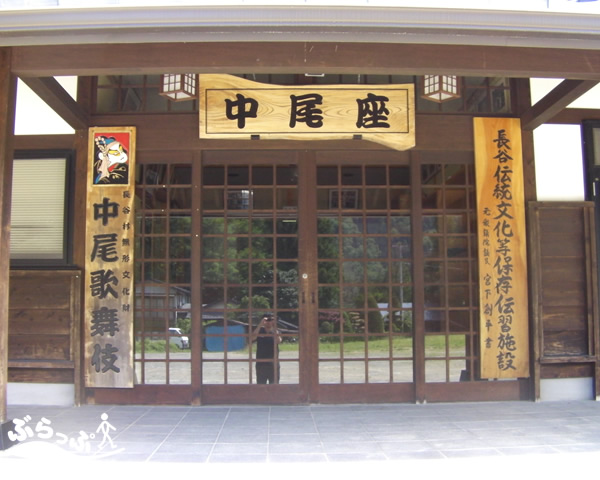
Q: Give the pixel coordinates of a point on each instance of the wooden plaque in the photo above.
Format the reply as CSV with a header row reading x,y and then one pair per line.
x,y
235,108
108,281
504,322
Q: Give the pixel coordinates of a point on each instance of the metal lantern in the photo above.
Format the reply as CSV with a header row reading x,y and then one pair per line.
x,y
440,88
179,87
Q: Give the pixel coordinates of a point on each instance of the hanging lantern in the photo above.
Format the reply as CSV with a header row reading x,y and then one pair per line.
x,y
179,87
440,88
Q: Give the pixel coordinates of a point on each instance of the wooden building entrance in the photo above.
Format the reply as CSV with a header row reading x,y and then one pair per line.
x,y
367,260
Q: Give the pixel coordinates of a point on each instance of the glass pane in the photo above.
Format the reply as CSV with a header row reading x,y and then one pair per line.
x,y
180,198
212,199
262,272
435,321
237,247
213,176
180,373
327,247
262,175
262,247
180,224
238,176
330,372
155,198
354,297
399,176
287,226
432,246
352,247
433,272
287,175
211,225
459,320
434,296
377,247
329,297
262,226
239,226
375,176
287,272
263,199
353,272
403,371
287,297
377,272
287,247
435,346
376,198
213,247
354,372
212,272
180,247
238,272
155,247
155,224
351,176
400,225
180,272
401,247
379,372
433,224
237,297
328,272
458,271
352,225
400,199
327,176
458,247
376,225
327,225
435,371
458,296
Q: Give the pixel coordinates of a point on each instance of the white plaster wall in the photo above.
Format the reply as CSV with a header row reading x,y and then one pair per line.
x,y
56,394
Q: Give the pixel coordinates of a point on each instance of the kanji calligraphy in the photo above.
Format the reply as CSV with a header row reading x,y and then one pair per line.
x,y
109,258
235,108
504,319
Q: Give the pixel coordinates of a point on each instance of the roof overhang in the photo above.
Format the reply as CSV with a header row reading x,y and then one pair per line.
x,y
235,23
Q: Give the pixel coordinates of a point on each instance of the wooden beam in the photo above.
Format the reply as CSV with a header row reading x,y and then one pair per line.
x,y
57,98
554,102
303,57
8,96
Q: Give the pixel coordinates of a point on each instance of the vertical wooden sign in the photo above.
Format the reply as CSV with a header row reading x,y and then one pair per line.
x,y
504,324
109,290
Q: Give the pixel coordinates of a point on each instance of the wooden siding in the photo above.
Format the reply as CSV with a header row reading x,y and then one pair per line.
x,y
43,328
564,290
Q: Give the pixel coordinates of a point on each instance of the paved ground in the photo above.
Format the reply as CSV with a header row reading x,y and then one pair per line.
x,y
463,440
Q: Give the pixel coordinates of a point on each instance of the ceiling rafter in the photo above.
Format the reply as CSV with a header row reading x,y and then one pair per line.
x,y
554,102
59,100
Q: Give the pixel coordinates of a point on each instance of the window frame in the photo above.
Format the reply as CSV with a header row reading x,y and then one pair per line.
x,y
68,212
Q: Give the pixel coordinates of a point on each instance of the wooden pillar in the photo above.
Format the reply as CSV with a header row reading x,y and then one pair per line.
x,y
8,94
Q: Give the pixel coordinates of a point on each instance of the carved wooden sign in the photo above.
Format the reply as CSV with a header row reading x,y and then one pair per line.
x,y
108,283
235,108
504,315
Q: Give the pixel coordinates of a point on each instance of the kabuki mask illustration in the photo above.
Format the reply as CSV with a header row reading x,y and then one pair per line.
x,y
111,162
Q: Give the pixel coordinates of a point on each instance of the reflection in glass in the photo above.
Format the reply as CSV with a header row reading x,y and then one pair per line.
x,y
212,272
353,272
327,247
328,272
180,272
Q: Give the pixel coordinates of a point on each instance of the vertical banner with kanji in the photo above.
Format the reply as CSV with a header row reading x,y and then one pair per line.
x,y
504,325
109,290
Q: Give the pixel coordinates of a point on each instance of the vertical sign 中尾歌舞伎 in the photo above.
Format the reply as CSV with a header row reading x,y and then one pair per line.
x,y
504,324
109,250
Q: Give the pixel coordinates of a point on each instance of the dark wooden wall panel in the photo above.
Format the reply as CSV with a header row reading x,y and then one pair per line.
x,y
44,327
564,290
